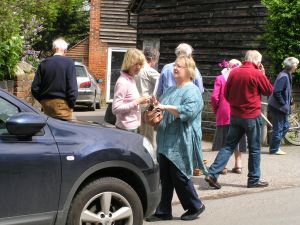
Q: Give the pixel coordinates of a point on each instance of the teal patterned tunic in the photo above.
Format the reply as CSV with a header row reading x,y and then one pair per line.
x,y
179,139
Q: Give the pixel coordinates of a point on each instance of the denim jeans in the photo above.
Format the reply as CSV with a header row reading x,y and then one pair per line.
x,y
280,128
238,127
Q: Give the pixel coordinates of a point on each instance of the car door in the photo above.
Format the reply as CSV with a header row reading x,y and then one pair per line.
x,y
30,174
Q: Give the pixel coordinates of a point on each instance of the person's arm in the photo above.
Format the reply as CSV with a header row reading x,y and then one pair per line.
x,y
215,96
199,81
160,85
278,91
154,78
264,84
119,105
192,101
36,84
72,89
169,108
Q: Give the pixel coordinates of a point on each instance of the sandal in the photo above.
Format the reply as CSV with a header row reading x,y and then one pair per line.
x,y
237,170
224,171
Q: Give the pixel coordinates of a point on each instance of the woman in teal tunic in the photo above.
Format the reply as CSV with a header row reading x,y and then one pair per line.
x,y
179,143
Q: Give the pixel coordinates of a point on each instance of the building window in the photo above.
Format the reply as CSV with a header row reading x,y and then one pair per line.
x,y
114,64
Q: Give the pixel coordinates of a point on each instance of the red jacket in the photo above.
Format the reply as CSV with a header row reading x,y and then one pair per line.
x,y
244,88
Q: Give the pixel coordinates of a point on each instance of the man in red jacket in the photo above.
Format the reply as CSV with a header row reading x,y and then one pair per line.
x,y
243,91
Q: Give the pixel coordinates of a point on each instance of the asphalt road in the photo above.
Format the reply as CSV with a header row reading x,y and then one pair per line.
x,y
82,113
276,207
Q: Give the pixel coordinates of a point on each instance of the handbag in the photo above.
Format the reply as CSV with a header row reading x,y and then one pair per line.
x,y
152,116
109,117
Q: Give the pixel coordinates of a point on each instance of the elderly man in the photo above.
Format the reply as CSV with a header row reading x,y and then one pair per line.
x,y
167,80
146,81
55,83
280,104
243,91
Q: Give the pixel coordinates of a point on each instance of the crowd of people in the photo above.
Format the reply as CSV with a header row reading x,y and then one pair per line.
x,y
176,92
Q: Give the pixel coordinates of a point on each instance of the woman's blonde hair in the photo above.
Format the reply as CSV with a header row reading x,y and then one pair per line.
x,y
190,65
132,56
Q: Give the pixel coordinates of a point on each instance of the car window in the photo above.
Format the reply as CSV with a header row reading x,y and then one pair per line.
x,y
7,109
80,71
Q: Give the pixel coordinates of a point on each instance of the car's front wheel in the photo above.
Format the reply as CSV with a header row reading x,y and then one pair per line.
x,y
108,201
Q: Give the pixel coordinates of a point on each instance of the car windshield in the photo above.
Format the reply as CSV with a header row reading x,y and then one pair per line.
x,y
80,71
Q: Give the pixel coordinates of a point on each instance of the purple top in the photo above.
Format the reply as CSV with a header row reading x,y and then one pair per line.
x,y
220,105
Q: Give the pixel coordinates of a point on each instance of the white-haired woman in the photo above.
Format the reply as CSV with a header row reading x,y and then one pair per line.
x,y
221,108
179,143
280,104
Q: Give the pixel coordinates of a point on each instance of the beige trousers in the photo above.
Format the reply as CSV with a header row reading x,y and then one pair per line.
x,y
57,108
148,132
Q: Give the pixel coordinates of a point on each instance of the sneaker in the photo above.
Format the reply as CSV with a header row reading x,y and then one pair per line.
x,y
280,152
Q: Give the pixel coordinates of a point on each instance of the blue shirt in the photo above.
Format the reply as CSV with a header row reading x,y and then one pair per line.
x,y
179,139
167,80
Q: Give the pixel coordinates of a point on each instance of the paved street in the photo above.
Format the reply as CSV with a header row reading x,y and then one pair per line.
x,y
275,207
282,172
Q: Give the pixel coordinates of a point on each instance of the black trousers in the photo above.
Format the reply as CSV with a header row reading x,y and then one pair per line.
x,y
172,178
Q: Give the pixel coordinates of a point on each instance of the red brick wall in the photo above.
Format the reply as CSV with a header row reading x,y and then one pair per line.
x,y
97,62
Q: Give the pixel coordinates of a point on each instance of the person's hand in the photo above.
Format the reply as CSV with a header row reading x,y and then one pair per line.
x,y
261,68
154,100
160,107
143,100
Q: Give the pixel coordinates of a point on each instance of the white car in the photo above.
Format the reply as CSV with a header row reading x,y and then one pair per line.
x,y
89,93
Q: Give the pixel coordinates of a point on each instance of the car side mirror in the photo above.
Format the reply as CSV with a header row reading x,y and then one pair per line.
x,y
25,123
99,81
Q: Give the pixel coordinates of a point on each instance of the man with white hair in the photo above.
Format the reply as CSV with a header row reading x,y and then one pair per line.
x,y
243,91
166,78
280,104
55,83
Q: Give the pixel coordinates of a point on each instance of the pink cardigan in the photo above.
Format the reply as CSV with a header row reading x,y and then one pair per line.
x,y
220,105
124,106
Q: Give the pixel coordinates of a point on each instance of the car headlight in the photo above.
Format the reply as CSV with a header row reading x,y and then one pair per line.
x,y
147,145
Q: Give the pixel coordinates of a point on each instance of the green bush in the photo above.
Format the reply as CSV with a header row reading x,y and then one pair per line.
x,y
10,54
283,32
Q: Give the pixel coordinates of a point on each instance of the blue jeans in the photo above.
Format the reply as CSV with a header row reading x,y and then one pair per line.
x,y
239,127
280,128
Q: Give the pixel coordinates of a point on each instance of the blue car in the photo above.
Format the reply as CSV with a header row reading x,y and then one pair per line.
x,y
60,172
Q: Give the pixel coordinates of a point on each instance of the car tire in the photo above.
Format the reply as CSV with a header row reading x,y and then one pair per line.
x,y
98,103
93,105
106,199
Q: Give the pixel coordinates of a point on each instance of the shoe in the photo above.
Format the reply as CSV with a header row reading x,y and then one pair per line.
x,y
237,170
159,217
280,152
192,214
224,171
212,182
259,184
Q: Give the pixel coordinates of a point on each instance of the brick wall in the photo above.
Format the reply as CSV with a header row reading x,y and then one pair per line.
x,y
97,60
21,85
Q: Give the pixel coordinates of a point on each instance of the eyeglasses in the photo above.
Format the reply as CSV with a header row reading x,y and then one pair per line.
x,y
178,66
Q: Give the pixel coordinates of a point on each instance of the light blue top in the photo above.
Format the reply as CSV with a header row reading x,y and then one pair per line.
x,y
167,80
179,139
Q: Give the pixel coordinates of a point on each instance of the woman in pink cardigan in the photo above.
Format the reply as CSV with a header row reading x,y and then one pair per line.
x,y
127,101
221,108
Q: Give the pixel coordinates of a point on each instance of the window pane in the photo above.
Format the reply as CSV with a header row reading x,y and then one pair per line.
x,y
116,64
80,71
6,110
